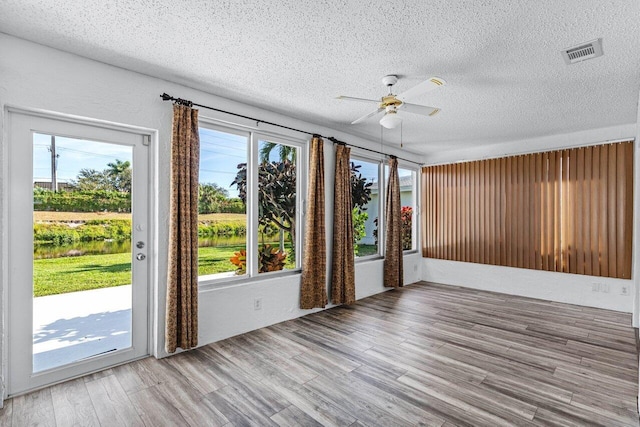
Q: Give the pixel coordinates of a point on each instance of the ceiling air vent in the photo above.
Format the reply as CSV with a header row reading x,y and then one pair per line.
x,y
582,52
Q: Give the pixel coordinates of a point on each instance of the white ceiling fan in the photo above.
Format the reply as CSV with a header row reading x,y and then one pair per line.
x,y
391,103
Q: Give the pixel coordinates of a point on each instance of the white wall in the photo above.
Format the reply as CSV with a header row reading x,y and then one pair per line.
x,y
561,287
231,309
550,286
37,77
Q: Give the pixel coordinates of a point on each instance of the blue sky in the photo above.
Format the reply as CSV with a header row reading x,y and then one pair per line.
x,y
73,155
368,170
220,154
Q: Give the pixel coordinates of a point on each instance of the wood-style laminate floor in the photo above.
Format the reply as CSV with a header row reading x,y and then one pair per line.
x,y
423,355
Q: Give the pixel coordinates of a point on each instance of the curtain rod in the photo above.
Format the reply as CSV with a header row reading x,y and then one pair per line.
x,y
180,101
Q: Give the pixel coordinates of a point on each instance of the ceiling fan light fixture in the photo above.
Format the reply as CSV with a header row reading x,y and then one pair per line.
x,y
390,103
391,120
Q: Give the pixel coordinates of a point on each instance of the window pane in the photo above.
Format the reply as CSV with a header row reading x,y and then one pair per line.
x,y
277,225
81,243
407,179
366,199
222,219
407,185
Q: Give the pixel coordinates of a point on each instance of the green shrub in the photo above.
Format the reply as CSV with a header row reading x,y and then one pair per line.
x,y
81,201
56,234
119,230
406,212
59,233
221,228
359,219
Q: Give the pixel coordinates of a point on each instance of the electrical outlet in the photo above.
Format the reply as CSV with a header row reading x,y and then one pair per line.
x,y
257,304
624,290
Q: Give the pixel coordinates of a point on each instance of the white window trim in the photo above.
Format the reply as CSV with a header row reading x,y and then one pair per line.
x,y
362,156
415,220
214,281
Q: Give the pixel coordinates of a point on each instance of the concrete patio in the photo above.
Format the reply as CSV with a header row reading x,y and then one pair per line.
x,y
74,326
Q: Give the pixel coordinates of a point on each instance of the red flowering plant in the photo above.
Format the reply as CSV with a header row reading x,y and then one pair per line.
x,y
406,214
269,259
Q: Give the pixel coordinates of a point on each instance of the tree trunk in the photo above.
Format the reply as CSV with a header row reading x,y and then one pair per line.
x,y
281,233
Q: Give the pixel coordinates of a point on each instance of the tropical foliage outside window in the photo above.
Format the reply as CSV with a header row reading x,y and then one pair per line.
x,y
277,201
408,202
222,219
231,181
407,199
363,175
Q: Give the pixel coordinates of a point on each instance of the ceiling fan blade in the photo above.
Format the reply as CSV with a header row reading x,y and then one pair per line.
x,y
427,85
419,109
365,117
351,98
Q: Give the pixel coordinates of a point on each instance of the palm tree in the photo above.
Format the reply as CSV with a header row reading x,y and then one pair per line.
x,y
119,174
287,155
118,167
285,152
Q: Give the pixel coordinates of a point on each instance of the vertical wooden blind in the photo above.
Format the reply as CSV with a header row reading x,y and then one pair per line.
x,y
566,211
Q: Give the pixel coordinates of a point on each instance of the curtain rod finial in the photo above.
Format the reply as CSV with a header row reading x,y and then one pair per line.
x,y
179,101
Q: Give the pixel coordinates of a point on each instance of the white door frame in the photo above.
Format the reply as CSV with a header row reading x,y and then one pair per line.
x,y
60,124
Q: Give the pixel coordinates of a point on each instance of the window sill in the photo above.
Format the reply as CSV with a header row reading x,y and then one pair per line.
x,y
370,258
211,282
364,259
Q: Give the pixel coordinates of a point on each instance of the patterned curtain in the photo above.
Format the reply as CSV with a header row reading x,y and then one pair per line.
x,y
182,283
313,289
343,287
393,274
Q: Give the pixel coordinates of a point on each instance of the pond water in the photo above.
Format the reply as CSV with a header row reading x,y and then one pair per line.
x,y
43,251
205,242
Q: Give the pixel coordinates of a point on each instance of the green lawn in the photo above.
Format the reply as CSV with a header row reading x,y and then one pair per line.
x,y
71,274
212,260
365,250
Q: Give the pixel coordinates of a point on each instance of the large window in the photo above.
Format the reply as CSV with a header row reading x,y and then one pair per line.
x,y
277,206
408,202
222,211
249,216
367,195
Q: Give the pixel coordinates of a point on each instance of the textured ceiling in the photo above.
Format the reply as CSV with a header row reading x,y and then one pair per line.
x,y
506,78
